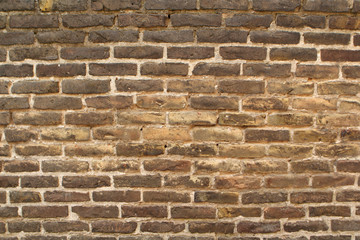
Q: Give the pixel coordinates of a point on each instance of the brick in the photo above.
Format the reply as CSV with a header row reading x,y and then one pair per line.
x,y
24,70
62,6
142,20
79,53
221,36
326,6
196,20
19,135
14,103
191,86
2,54
332,180
340,55
65,166
314,104
167,165
310,197
171,134
113,5
85,86
125,85
193,212
242,151
34,21
283,212
249,20
216,197
21,166
39,182
190,52
224,4
275,37
308,226
144,211
9,181
170,5
96,211
246,53
255,135
215,103
85,20
348,166
220,134
193,118
89,150
343,120
60,196
317,71
16,227
350,105
43,53
327,38
161,102
113,227
106,102
258,227
90,119
162,227
37,87
265,167
341,211
7,212
149,52
209,227
57,103
105,36
329,237
3,22
37,149
348,196
295,21
60,70
4,118
160,69
165,196
241,86
4,150
24,5
116,133
37,118
138,149
265,197
146,181
44,211
85,181
337,150
186,182
3,197
237,182
286,182
69,226
265,104
290,119
141,118
311,166
116,196
112,69
345,225
24,197
290,88
232,212
276,5
300,54
267,70
338,88
217,69
356,40
116,165
70,37
13,38
172,36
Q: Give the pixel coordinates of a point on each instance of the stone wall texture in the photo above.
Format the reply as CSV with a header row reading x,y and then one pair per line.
x,y
179,119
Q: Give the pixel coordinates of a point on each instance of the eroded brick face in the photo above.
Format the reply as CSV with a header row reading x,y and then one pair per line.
x,y
179,120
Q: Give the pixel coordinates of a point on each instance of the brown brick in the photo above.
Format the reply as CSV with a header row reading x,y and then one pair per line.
x,y
44,211
19,135
116,165
37,87
21,166
134,117
62,5
138,149
224,4
327,38
8,5
191,86
43,53
215,103
2,53
13,38
265,197
314,104
78,53
241,86
349,105
220,134
330,237
295,21
283,212
196,20
14,103
211,227
144,211
3,197
336,120
112,69
290,88
24,70
276,5
357,40
286,182
327,6
4,118
343,22
60,70
161,102
167,165
255,135
66,134
141,20
96,211
193,212
258,227
237,182
337,150
217,197
300,54
186,182
37,149
37,118
345,225
113,226
247,53
170,5
116,133
113,5
147,181
85,20
65,166
332,181
57,103
89,150
59,227
165,196
116,196
290,119
338,88
311,166
308,226
241,119
4,150
60,196
267,70
190,52
232,212
34,21
265,167
24,197
249,20
9,181
148,52
16,227
106,102
105,36
348,196
195,150
340,55
348,166
317,71
162,227
85,86
85,181
192,118
221,36
39,182
275,37
159,69
8,212
171,36
70,37
90,118
310,197
341,211
242,151
265,104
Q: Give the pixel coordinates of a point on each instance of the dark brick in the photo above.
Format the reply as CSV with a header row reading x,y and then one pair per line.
x,y
258,227
211,227
117,102
216,69
85,20
65,166
317,71
60,37
127,85
24,227
34,21
308,226
147,52
60,70
190,52
69,226
193,212
310,197
351,71
44,211
191,86
267,70
85,86
14,103
265,104
186,182
220,102
340,55
114,5
341,211
144,211
21,166
330,237
165,196
327,38
23,5
14,38
348,166
96,211
170,5
162,227
78,53
224,4
85,181
287,182
60,196
136,149
25,70
141,20
2,22
311,166
2,55
221,36
332,180
57,103
112,69
300,54
159,69
173,36
44,53
326,6
3,197
196,20
357,40
246,53
113,227
24,197
63,5
231,212
8,212
4,150
266,197
216,197
275,37
105,36
348,196
276,5
36,86
241,86
116,196
39,182
148,181
167,165
37,118
9,181
338,87
254,135
295,21
4,118
249,20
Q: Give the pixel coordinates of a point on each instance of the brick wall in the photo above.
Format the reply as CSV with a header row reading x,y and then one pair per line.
x,y
179,119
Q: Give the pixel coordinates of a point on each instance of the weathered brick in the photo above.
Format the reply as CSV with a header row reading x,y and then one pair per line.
x,y
167,165
217,69
275,37
9,181
39,182
79,53
34,21
147,181
85,86
192,118
96,211
265,167
142,20
220,134
141,118
314,104
258,227
171,134
331,237
144,211
13,38
348,196
36,86
16,227
290,88
159,69
215,103
85,181
125,85
337,150
317,71
338,87
165,196
357,40
4,150
286,182
60,196
348,166
326,6
232,212
89,150
336,120
190,52
105,102
21,166
37,118
138,149
90,118
212,227
24,70
162,227
249,20
332,180
290,119
191,86
116,165
170,5
112,69
216,197
116,196
224,4
113,227
116,133
349,105
341,211
242,151
345,225
70,37
237,182
255,135
267,70
8,212
105,36
327,38
247,53
311,166
310,197
290,151
340,55
3,197
60,70
300,54
44,211
265,197
276,5
62,5
186,182
37,149
113,5
65,166
295,21
57,103
85,20
43,53
19,135
308,226
24,5
149,52
265,104
161,102
2,54
4,118
172,36
196,20
24,197
221,36
69,226
283,212
193,212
